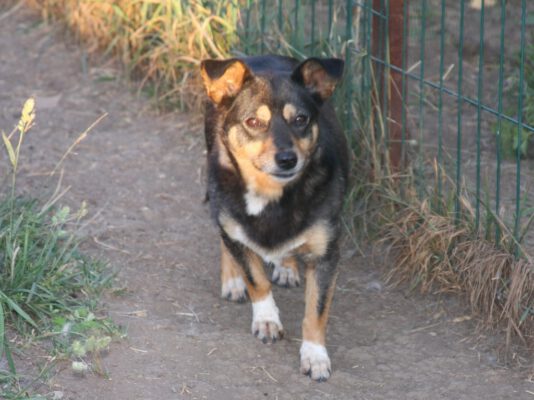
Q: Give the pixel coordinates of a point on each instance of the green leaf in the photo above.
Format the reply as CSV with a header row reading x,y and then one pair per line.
x,y
526,313
103,342
9,149
2,330
15,307
78,349
10,361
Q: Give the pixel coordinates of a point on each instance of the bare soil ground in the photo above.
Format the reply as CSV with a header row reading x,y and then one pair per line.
x,y
140,173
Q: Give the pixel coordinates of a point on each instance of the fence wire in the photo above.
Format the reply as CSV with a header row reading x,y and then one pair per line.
x,y
454,82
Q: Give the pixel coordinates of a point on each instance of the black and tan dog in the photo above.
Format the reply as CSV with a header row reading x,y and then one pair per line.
x,y
277,167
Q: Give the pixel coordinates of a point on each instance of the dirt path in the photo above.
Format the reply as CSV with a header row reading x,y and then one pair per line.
x,y
140,174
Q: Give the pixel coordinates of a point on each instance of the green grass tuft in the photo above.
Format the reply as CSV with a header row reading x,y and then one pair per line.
x,y
42,272
48,289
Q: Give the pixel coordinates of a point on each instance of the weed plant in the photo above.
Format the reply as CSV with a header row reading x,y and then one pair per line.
x,y
48,288
511,142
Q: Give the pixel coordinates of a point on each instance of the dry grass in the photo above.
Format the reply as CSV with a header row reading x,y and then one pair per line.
x,y
159,42
434,249
436,254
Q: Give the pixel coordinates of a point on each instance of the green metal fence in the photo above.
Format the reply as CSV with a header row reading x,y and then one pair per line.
x,y
450,82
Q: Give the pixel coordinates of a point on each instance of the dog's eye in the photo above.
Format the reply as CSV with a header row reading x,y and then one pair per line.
x,y
255,123
300,121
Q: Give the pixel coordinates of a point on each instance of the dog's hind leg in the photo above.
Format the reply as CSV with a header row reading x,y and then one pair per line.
x,y
233,286
286,273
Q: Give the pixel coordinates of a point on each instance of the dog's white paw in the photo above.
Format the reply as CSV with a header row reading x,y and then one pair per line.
x,y
266,324
314,361
286,277
234,289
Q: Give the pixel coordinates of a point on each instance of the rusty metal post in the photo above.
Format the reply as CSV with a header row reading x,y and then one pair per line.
x,y
394,82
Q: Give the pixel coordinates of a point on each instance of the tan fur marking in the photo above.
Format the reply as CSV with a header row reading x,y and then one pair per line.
x,y
316,240
305,145
262,285
291,262
313,325
229,268
224,158
316,79
311,244
315,133
289,112
264,113
246,154
229,84
230,226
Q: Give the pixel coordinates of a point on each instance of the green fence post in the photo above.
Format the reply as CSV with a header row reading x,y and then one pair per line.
x,y
440,98
404,121
262,26
499,122
420,139
330,18
459,115
312,47
280,19
348,66
520,125
479,111
296,35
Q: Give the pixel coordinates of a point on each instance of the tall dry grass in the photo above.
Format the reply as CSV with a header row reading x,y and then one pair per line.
x,y
437,254
160,42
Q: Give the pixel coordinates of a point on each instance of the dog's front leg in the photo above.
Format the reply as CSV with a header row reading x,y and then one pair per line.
x,y
266,323
320,285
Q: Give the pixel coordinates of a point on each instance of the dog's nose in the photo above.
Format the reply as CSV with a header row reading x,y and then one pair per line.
x,y
286,159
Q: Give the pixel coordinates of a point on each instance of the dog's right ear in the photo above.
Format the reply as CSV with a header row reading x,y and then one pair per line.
x,y
223,78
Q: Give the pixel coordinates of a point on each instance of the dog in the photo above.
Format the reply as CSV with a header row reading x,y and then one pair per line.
x,y
278,166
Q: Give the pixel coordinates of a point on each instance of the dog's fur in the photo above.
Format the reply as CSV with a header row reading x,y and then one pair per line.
x,y
277,174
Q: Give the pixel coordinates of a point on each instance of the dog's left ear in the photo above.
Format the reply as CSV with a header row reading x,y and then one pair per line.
x,y
319,75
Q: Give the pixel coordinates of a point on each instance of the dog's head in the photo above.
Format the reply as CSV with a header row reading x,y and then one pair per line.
x,y
270,122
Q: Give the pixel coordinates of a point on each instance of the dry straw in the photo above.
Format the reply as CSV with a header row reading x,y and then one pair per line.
x,y
159,42
436,254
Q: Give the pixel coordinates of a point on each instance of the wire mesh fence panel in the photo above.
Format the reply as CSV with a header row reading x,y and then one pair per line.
x,y
445,88
475,66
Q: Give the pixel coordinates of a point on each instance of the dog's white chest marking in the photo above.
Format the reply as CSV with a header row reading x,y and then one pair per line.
x,y
255,204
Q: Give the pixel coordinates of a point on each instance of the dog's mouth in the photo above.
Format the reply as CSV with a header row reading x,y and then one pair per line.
x,y
284,175
288,176
281,175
